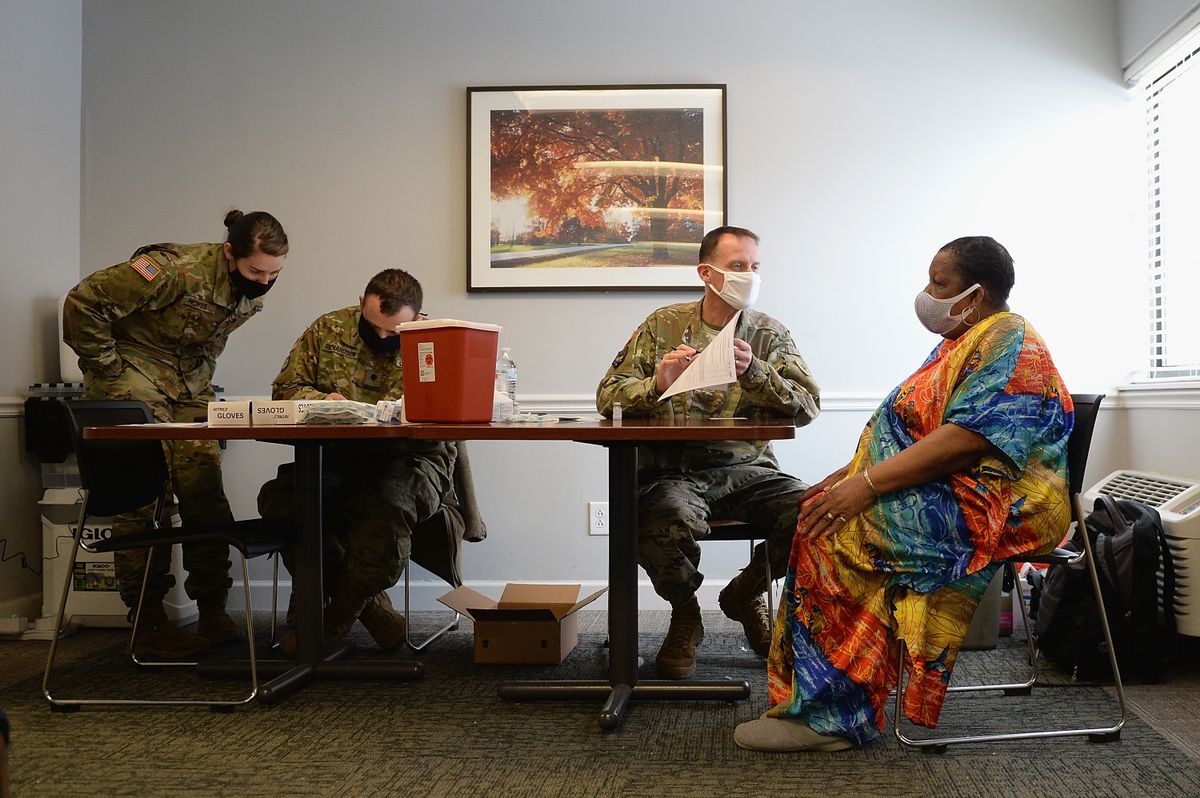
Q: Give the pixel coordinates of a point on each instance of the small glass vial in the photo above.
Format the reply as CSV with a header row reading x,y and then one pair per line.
x,y
616,413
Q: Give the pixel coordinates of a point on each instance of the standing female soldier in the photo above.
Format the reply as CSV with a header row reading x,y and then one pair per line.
x,y
151,329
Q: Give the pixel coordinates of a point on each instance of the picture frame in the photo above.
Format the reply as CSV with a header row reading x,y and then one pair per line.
x,y
592,188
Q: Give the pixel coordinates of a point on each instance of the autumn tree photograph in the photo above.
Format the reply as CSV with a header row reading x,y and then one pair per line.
x,y
597,186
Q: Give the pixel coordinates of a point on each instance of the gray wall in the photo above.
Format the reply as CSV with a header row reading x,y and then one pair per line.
x,y
39,192
861,137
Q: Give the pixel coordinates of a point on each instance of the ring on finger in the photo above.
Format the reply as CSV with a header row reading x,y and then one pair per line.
x,y
842,518
828,516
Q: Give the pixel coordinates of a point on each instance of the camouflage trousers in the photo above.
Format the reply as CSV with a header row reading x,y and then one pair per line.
x,y
195,468
673,515
374,496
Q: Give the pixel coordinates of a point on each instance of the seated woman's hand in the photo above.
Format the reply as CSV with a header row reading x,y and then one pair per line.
x,y
828,510
823,485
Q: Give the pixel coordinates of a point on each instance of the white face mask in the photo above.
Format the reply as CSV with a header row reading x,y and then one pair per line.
x,y
935,315
740,289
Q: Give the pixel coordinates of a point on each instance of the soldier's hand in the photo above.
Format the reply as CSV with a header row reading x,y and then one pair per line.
x,y
672,365
336,397
743,356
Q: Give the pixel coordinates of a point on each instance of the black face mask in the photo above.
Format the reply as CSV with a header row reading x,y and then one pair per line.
x,y
247,287
380,346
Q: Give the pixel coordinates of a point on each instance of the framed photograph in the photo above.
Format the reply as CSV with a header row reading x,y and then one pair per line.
x,y
592,188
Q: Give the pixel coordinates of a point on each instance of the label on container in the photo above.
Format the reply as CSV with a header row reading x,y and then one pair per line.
x,y
94,576
426,370
229,414
269,414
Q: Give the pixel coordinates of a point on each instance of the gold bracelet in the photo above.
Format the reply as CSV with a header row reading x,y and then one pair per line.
x,y
870,484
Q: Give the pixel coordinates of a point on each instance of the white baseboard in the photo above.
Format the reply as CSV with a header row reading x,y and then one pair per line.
x,y
425,594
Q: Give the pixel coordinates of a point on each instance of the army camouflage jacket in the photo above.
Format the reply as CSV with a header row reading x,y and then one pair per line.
x,y
777,384
331,357
166,312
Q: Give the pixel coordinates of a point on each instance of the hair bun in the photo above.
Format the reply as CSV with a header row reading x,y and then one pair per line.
x,y
232,217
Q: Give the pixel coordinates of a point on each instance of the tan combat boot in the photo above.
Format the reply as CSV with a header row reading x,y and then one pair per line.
x,y
677,657
340,614
344,608
387,627
215,624
742,600
157,637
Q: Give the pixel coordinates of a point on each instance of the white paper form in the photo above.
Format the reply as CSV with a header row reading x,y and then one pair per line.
x,y
713,366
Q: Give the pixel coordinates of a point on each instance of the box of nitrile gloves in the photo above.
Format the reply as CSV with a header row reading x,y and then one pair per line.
x,y
274,413
228,414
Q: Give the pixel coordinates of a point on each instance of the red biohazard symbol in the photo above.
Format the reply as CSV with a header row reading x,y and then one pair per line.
x,y
428,359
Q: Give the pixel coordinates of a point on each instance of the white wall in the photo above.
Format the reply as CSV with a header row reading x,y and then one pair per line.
x,y
861,138
39,191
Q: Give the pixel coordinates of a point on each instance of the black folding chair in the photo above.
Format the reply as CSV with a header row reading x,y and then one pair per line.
x,y
121,476
1086,409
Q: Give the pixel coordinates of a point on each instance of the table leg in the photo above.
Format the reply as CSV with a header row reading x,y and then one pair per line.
x,y
623,686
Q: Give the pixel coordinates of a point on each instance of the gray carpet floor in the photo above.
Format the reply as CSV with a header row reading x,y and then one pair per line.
x,y
449,734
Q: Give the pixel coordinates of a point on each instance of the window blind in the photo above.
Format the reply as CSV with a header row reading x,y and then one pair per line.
x,y
1173,135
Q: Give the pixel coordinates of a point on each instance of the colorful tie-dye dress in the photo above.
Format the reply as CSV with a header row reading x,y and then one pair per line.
x,y
914,565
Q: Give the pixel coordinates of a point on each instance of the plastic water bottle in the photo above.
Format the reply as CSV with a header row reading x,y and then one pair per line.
x,y
506,376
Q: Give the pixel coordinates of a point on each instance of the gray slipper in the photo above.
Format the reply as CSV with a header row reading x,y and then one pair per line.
x,y
779,735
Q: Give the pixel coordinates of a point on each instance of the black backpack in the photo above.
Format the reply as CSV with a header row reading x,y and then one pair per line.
x,y
1131,554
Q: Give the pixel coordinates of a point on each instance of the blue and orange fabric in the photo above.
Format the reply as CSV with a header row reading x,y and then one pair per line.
x,y
913,566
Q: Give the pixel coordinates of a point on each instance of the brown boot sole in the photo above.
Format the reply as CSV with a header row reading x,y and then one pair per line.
x,y
675,671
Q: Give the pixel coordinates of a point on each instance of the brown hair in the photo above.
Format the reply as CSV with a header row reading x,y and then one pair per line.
x,y
395,289
713,237
257,231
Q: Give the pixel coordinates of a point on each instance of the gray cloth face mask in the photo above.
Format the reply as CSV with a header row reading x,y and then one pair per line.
x,y
934,314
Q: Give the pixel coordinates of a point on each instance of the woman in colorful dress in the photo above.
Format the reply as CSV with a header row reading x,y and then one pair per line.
x,y
963,464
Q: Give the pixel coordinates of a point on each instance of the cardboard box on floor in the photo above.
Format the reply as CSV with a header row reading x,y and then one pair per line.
x,y
529,625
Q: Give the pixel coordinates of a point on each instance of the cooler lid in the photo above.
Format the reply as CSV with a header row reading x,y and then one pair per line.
x,y
433,324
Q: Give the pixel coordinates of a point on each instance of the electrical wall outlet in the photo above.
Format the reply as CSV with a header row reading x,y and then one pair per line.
x,y
597,518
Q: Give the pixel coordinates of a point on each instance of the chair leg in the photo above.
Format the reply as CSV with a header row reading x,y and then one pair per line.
x,y
1101,734
64,705
137,619
770,586
56,704
274,596
415,646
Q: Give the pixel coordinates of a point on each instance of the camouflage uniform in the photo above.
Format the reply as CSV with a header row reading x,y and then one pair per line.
x,y
375,492
151,329
682,485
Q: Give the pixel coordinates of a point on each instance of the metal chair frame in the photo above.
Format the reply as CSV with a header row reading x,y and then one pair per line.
x,y
139,412
415,646
725,529
1078,451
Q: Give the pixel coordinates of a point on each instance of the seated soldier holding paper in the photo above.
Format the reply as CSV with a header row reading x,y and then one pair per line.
x,y
683,485
376,493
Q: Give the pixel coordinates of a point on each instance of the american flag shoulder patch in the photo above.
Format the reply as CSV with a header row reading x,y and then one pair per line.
x,y
145,267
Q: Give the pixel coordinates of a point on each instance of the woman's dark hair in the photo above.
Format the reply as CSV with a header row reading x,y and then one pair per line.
x,y
257,231
395,289
983,260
